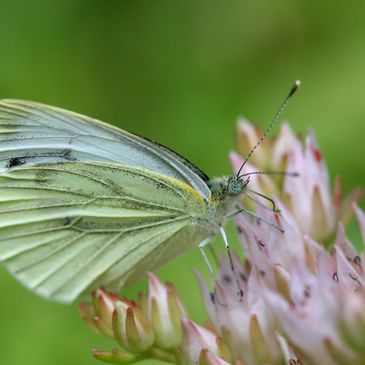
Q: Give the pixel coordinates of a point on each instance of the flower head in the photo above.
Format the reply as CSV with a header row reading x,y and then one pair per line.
x,y
308,196
150,328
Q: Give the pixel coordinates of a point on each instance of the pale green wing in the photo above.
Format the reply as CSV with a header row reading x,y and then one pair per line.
x,y
36,133
67,227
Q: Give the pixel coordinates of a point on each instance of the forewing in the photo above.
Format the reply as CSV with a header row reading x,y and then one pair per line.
x,y
66,227
37,133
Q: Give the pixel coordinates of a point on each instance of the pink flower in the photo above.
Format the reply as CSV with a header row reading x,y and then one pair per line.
x,y
281,148
164,312
308,196
248,326
151,328
99,314
247,136
324,303
131,327
199,341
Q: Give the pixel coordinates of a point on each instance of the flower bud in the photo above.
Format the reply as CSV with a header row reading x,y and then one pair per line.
x,y
207,358
308,196
282,147
164,311
197,338
131,327
104,306
99,314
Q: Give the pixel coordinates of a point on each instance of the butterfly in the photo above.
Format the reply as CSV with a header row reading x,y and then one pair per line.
x,y
84,204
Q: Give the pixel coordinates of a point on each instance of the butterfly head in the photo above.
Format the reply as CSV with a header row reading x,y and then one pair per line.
x,y
228,187
236,185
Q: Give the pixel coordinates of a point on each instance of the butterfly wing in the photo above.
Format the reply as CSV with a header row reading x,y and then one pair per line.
x,y
36,133
66,227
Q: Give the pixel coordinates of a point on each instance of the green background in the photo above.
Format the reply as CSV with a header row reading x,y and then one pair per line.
x,y
179,72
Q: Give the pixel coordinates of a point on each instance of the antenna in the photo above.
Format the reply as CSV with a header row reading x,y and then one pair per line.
x,y
292,91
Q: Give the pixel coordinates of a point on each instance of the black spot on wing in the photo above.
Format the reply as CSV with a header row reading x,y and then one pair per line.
x,y
15,161
31,158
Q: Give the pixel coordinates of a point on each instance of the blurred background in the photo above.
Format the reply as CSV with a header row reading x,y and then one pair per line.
x,y
179,72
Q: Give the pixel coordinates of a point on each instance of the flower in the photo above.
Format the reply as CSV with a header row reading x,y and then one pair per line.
x,y
301,303
247,326
150,328
307,196
247,136
322,306
131,327
99,314
164,312
202,345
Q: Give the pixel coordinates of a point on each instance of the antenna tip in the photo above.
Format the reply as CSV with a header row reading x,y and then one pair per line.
x,y
294,88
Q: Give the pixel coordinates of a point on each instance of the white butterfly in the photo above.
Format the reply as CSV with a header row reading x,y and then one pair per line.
x,y
83,203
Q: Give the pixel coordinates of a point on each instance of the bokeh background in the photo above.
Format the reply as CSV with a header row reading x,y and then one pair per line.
x,y
179,72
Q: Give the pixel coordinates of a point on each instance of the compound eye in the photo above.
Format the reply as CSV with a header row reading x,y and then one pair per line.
x,y
234,188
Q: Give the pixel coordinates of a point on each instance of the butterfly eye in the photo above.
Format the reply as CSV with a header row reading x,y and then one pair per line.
x,y
235,187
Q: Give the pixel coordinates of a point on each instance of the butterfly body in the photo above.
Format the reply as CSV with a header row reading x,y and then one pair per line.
x,y
83,203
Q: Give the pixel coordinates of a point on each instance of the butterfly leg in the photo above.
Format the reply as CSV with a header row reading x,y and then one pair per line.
x,y
206,260
233,214
201,246
225,240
